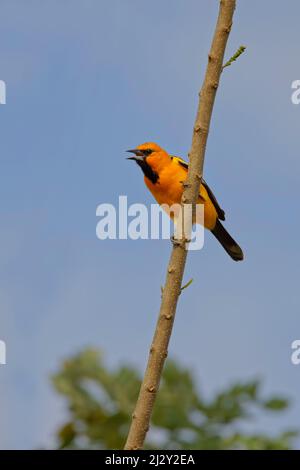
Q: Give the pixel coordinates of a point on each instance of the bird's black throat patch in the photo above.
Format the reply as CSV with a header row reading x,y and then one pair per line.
x,y
147,170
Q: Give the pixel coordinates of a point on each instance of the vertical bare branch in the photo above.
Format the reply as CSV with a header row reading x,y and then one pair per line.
x,y
172,289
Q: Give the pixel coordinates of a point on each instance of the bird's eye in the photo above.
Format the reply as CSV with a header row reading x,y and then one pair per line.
x,y
147,152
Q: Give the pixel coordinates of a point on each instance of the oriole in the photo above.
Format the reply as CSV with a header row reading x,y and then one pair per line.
x,y
164,175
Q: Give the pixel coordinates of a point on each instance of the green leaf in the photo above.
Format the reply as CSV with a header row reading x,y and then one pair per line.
x,y
276,404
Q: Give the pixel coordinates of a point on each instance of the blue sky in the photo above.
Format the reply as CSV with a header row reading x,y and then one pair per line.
x,y
85,81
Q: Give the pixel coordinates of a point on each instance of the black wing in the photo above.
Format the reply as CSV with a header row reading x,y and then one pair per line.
x,y
220,212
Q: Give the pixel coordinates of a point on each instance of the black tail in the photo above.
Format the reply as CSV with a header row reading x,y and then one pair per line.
x,y
228,243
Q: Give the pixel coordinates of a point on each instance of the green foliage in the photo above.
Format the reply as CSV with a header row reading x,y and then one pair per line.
x,y
101,402
235,56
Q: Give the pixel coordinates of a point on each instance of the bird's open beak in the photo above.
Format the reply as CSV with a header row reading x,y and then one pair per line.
x,y
139,156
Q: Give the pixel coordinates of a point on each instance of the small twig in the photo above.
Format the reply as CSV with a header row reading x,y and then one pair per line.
x,y
239,52
187,284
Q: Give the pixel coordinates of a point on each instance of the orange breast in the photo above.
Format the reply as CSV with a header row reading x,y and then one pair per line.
x,y
168,190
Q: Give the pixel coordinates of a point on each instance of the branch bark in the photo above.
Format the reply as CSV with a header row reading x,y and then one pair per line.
x,y
159,348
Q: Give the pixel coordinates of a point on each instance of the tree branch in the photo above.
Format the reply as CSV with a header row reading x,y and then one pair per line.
x,y
159,348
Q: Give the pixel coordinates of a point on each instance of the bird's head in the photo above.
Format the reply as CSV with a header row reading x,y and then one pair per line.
x,y
151,158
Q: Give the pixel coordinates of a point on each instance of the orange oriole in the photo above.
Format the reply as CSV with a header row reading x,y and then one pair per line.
x,y
164,175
